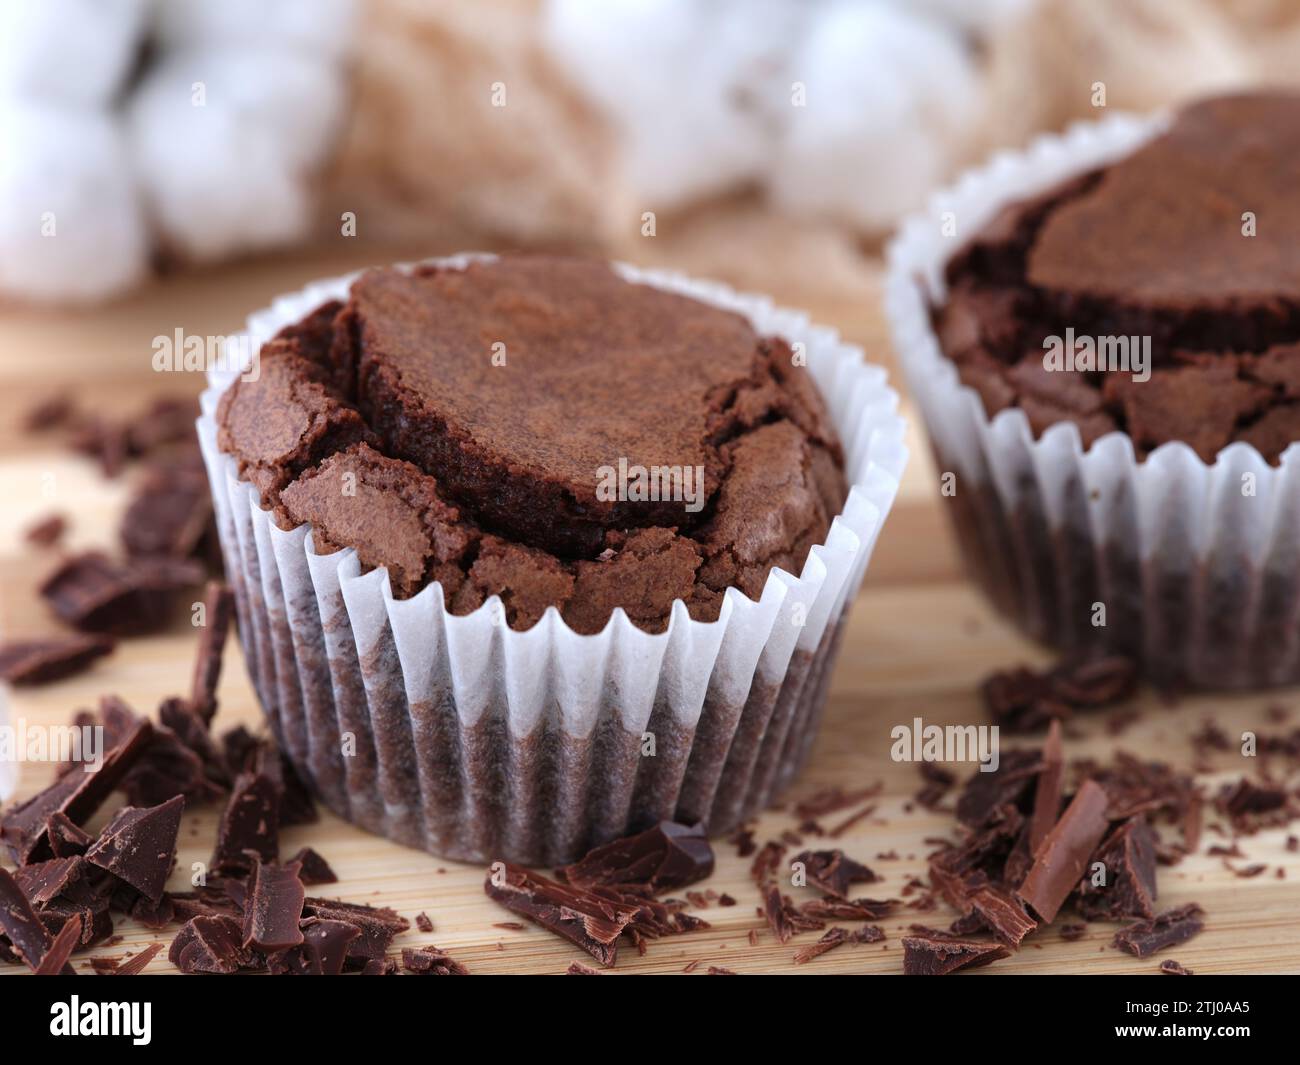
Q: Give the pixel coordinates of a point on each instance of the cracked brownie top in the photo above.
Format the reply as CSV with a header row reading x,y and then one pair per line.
x,y
540,429
1185,253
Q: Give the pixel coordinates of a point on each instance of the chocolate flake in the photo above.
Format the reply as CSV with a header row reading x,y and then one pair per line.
x,y
1063,855
1174,968
274,908
929,955
430,961
39,661
91,592
833,938
315,869
138,846
19,924
60,950
663,858
1129,857
833,872
1166,930
136,965
210,945
218,609
250,823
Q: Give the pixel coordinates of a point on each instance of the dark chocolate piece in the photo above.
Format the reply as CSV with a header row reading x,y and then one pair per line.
x,y
325,946
27,936
210,945
1129,855
833,872
65,838
218,610
30,662
93,593
60,950
576,968
274,908
1166,930
423,923
1047,795
1001,913
250,823
666,857
77,794
1174,968
583,917
42,882
315,869
784,918
1063,855
986,792
929,955
378,925
430,961
849,909
138,846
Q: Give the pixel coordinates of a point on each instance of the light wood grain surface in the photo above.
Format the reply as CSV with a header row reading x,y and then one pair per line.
x,y
918,642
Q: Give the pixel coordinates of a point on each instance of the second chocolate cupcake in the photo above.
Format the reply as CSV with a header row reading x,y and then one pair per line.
x,y
1102,334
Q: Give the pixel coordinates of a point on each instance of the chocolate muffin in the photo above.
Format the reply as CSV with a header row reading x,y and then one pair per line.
x,y
1110,364
1159,247
646,455
474,415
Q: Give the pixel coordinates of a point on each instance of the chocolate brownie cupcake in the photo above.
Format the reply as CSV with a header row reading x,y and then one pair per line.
x,y
563,547
1111,365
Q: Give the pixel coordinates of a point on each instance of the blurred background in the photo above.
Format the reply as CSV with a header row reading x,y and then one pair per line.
x,y
771,143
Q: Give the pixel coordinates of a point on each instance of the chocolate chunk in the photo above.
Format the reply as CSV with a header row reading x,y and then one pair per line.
x,y
583,917
210,945
56,957
664,858
430,961
170,513
784,918
1047,795
314,868
1010,783
378,925
93,593
19,924
1024,700
1129,857
928,955
379,967
576,968
423,923
1001,913
325,947
65,838
1173,968
77,794
138,846
833,938
29,662
218,610
1167,930
42,882
1063,855
136,965
274,908
250,823
833,872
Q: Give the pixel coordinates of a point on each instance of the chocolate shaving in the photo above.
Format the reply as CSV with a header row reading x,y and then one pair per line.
x,y
1064,853
136,965
250,825
1008,784
1129,857
26,935
31,662
218,609
849,909
210,945
833,872
77,793
1023,700
1166,930
929,955
833,938
60,950
93,593
663,858
430,961
1173,968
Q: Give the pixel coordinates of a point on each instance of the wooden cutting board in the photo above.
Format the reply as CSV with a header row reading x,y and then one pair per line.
x,y
919,641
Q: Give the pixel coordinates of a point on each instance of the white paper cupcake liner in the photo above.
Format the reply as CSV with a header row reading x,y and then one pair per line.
x,y
469,739
1200,581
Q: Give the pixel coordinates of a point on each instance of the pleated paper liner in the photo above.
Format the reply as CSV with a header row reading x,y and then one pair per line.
x,y
466,738
1199,580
